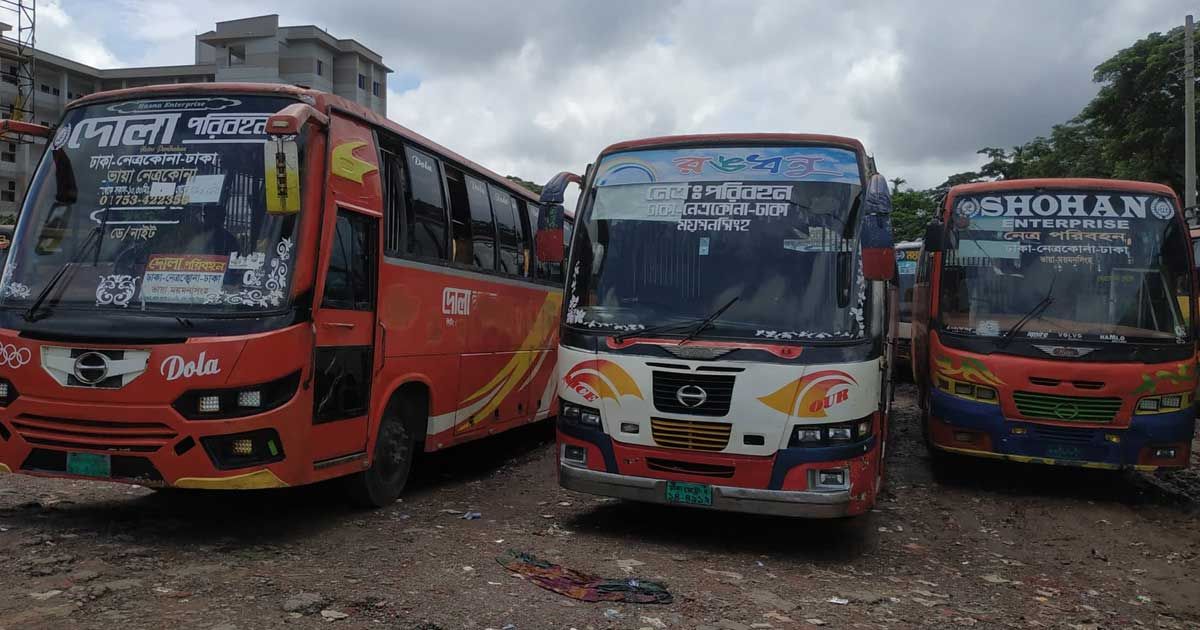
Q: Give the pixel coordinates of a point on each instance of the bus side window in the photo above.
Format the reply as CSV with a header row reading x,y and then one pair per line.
x,y
427,209
349,282
526,253
395,213
483,225
507,230
460,216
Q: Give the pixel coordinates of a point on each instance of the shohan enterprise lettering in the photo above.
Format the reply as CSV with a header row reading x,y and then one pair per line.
x,y
1064,210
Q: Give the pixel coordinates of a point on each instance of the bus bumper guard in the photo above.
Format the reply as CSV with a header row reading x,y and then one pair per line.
x,y
803,504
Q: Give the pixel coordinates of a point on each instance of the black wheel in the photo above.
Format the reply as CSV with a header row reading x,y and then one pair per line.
x,y
382,483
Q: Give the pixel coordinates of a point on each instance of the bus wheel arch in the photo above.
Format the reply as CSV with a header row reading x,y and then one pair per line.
x,y
401,427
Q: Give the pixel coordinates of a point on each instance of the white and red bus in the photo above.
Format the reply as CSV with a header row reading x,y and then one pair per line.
x,y
728,330
252,286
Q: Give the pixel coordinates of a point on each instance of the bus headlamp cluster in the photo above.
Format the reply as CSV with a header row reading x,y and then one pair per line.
x,y
969,391
1163,403
215,404
815,435
578,414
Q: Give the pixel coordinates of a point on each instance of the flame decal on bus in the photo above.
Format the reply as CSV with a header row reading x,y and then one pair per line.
x,y
519,370
601,379
968,369
811,395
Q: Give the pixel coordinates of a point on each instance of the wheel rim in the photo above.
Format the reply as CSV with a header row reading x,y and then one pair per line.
x,y
391,452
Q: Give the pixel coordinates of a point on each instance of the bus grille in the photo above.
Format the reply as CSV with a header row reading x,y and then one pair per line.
x,y
1067,408
718,392
693,436
689,468
1065,435
96,435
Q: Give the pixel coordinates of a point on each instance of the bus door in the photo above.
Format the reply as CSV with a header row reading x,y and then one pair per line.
x,y
344,358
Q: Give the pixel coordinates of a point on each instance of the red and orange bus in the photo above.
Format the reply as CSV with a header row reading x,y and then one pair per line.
x,y
252,286
727,332
1054,323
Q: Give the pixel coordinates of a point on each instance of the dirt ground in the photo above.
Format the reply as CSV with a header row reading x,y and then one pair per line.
x,y
985,545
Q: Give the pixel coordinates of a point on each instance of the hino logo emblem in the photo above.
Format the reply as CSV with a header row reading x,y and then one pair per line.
x,y
691,396
91,368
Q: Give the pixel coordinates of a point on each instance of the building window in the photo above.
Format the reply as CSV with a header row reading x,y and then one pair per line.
x,y
376,88
9,193
8,153
45,89
362,82
320,68
55,91
237,55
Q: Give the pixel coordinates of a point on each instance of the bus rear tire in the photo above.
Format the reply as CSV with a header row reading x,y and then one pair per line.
x,y
381,484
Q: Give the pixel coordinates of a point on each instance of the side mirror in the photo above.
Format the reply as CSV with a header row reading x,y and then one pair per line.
x,y
878,249
935,236
291,119
549,237
21,127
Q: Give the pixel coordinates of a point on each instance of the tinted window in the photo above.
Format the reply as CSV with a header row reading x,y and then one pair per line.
x,y
483,227
526,239
507,228
460,216
395,209
428,209
349,283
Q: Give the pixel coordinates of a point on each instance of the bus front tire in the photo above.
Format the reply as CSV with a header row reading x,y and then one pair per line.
x,y
381,484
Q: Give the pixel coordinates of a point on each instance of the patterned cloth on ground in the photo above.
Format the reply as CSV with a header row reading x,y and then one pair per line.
x,y
581,586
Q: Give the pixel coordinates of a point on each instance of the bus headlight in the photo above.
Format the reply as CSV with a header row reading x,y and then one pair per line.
x,y
8,393
1163,403
815,435
578,414
215,404
969,391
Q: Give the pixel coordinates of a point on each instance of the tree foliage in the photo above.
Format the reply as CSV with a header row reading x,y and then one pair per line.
x,y
911,211
535,188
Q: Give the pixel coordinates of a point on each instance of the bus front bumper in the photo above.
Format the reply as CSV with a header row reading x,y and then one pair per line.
x,y
799,504
982,430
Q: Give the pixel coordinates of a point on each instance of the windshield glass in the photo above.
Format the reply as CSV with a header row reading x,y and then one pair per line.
x,y
1113,264
671,236
160,205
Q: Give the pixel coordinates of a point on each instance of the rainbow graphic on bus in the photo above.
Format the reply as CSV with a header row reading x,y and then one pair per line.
x,y
599,378
812,395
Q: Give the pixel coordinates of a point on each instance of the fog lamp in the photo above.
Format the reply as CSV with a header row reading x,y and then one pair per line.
x,y
1112,437
250,398
576,454
1165,453
630,427
243,447
210,404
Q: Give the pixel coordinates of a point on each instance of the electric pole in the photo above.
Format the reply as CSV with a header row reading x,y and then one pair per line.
x,y
1189,116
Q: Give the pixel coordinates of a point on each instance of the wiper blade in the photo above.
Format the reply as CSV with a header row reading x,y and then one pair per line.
x,y
653,329
1037,310
708,321
31,312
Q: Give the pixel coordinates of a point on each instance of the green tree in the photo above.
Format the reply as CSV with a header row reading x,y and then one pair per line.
x,y
911,211
897,182
535,188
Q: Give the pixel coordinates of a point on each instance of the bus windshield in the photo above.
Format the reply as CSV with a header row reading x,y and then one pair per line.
x,y
672,236
160,204
1082,265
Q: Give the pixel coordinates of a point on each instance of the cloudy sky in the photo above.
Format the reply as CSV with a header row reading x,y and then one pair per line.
x,y
531,87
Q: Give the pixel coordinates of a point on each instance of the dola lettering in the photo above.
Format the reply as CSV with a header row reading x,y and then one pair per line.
x,y
456,301
176,367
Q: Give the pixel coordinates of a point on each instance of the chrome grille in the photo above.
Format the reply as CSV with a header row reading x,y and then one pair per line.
x,y
1067,408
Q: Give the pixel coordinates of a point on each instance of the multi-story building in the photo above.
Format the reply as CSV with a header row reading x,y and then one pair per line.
x,y
253,49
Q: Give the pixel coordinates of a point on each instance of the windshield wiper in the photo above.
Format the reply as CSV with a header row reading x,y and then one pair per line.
x,y
31,312
708,321
1037,310
653,329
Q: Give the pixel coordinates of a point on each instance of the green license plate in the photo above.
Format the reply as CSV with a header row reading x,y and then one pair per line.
x,y
89,465
689,493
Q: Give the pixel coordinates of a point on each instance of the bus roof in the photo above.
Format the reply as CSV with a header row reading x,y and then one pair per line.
x,y
323,101
1060,183
733,138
